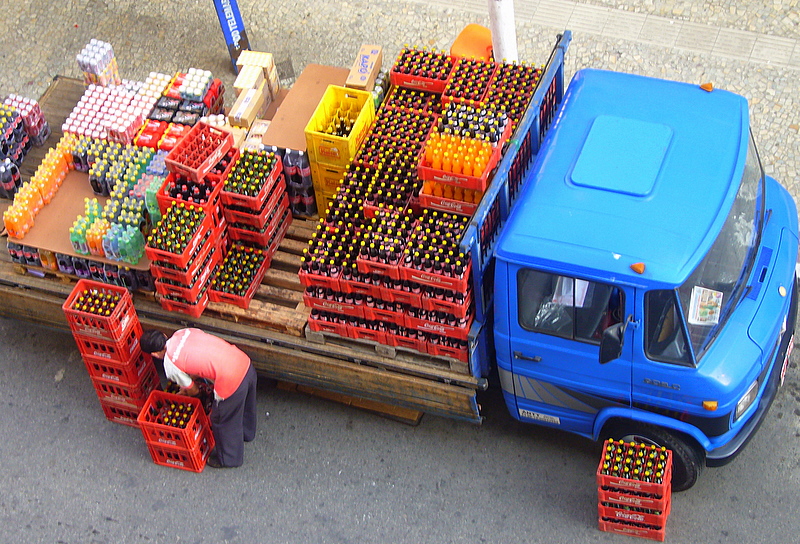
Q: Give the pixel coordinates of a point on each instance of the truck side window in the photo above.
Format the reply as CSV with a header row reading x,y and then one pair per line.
x,y
666,337
564,306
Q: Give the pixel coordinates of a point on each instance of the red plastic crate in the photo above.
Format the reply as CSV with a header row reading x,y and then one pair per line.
x,y
260,216
377,314
394,295
194,309
120,414
636,500
418,82
343,308
365,266
243,301
165,201
318,325
437,280
479,183
435,304
257,201
452,86
205,231
307,279
366,289
127,395
191,292
112,327
199,151
166,435
447,205
623,514
405,342
280,218
440,350
360,333
232,155
191,460
186,274
461,333
113,371
631,530
663,489
123,351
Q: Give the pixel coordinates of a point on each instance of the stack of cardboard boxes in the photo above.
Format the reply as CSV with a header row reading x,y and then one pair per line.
x,y
256,86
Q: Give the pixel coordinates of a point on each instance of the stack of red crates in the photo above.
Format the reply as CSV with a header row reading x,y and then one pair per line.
x,y
635,501
262,219
108,339
187,446
182,280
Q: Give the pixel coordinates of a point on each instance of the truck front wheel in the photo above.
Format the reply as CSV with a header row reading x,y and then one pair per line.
x,y
687,459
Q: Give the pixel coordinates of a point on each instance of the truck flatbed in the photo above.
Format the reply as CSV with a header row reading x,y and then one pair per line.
x,y
272,330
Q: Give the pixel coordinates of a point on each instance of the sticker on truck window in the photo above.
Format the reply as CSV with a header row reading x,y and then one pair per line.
x,y
540,417
705,306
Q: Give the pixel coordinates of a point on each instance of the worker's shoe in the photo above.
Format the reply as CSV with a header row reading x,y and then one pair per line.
x,y
213,461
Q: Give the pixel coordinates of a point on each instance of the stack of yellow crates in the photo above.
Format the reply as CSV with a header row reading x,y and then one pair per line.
x,y
333,135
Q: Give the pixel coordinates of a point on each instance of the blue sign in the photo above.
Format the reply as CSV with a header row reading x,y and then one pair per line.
x,y
230,19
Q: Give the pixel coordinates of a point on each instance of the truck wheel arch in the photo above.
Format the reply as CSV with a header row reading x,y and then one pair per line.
x,y
688,454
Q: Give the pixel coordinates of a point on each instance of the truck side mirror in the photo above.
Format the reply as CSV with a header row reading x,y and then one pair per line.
x,y
611,344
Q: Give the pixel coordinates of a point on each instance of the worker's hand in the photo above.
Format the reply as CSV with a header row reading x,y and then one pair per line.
x,y
191,391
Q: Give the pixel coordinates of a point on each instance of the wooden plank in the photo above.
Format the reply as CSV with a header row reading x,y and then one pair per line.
x,y
278,295
286,261
396,413
294,247
282,278
264,314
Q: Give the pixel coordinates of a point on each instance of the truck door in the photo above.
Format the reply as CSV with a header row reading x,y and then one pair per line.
x,y
555,330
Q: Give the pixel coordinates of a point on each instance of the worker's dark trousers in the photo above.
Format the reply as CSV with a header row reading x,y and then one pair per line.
x,y
233,421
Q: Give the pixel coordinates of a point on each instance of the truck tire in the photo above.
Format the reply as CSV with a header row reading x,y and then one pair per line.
x,y
687,459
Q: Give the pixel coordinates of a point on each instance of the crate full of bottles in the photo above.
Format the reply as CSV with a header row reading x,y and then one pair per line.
x,y
634,489
338,125
106,330
177,431
185,247
237,278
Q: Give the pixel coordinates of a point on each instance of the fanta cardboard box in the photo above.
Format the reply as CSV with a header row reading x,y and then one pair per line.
x,y
365,68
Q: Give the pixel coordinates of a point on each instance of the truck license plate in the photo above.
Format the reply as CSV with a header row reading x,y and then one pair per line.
x,y
786,359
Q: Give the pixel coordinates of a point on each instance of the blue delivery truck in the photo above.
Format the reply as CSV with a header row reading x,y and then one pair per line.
x,y
645,280
633,276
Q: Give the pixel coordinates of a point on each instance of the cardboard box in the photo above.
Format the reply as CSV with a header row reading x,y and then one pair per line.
x,y
287,130
258,128
274,82
250,77
265,61
365,68
249,106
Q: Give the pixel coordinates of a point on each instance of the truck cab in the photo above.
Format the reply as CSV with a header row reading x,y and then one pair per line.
x,y
645,278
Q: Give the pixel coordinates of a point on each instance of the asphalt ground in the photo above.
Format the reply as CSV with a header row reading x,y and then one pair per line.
x,y
322,472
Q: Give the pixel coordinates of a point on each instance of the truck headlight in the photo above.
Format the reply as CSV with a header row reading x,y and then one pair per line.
x,y
745,402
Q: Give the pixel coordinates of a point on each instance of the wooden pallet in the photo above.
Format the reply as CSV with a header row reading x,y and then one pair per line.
x,y
271,330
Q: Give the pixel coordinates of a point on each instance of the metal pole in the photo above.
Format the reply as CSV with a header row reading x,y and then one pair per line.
x,y
504,31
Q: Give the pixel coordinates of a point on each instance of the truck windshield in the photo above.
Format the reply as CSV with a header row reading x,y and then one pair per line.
x,y
713,290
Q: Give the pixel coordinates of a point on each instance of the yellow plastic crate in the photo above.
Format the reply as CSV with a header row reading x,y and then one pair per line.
x,y
326,177
323,201
336,150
